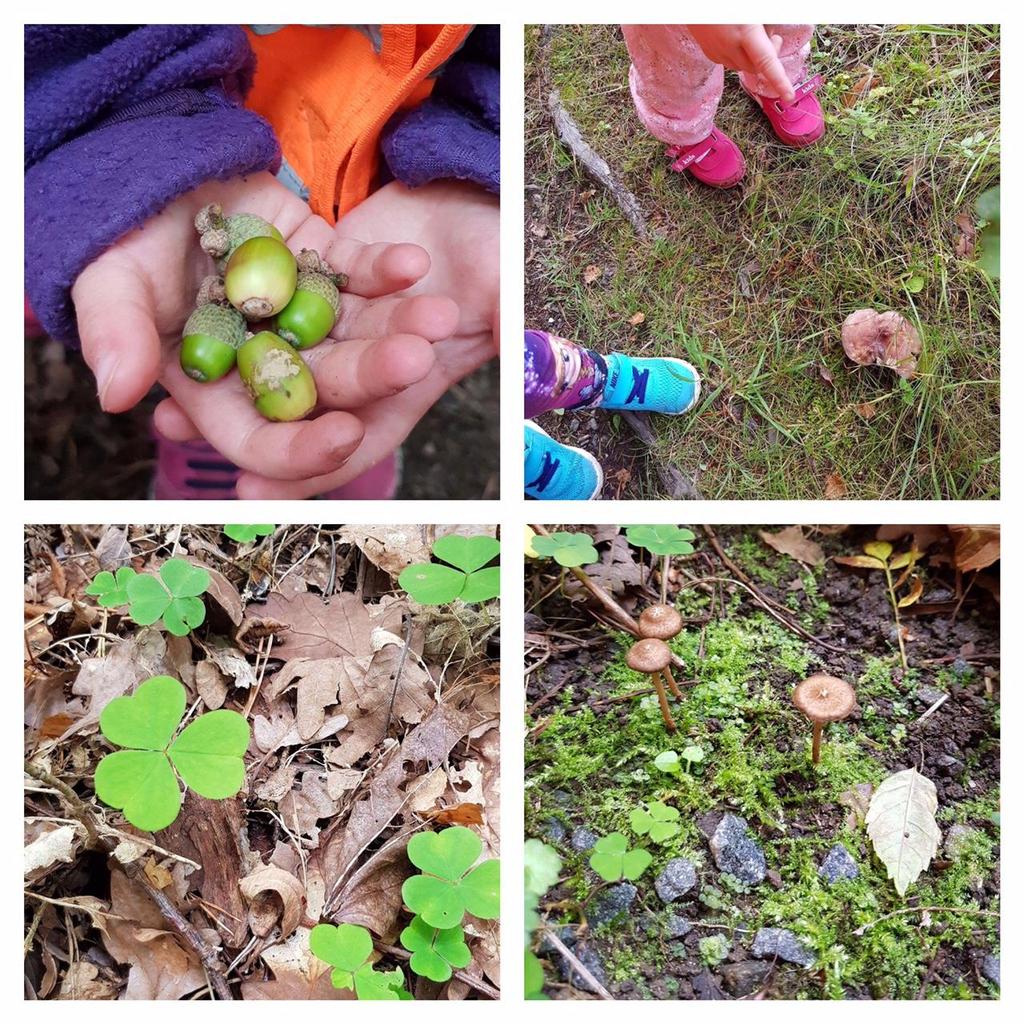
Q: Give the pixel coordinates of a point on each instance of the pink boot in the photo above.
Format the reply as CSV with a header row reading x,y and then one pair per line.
x,y
800,123
715,160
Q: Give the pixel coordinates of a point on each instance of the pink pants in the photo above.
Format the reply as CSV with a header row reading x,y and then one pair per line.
x,y
676,88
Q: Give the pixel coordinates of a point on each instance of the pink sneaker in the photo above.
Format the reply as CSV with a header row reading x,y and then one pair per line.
x,y
716,160
800,123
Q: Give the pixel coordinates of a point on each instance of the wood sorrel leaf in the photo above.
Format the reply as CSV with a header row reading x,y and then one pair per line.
x,y
141,784
344,946
183,579
208,754
429,583
148,598
466,553
246,533
435,951
482,585
146,719
111,588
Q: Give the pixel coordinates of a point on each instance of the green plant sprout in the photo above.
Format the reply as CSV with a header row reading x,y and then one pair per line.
x,y
661,539
659,821
692,755
247,533
450,886
435,951
112,587
567,549
173,597
987,209
878,555
464,577
541,868
140,781
668,762
614,861
348,948
713,949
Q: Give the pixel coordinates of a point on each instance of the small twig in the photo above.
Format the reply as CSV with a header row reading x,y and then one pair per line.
x,y
577,967
935,707
925,910
477,983
406,640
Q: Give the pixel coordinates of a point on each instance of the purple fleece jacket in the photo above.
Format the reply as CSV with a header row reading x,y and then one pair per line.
x,y
119,120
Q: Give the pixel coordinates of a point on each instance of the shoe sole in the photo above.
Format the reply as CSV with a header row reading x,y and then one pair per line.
x,y
530,425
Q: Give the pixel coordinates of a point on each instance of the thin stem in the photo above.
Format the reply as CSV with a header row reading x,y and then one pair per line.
x,y
896,616
667,673
816,742
663,702
664,580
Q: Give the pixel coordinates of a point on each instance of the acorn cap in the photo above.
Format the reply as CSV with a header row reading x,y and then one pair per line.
x,y
660,621
825,698
650,655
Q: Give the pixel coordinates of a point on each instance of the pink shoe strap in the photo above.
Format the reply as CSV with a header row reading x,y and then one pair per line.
x,y
683,156
792,111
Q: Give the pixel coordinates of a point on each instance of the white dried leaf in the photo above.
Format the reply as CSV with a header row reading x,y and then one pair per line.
x,y
901,824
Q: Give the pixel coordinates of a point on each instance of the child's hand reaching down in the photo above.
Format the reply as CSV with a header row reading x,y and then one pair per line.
x,y
746,48
131,304
392,382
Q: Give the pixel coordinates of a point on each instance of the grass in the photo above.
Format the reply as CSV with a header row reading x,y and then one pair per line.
x,y
752,284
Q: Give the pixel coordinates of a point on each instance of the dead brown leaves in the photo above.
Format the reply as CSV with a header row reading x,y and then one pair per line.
x,y
791,541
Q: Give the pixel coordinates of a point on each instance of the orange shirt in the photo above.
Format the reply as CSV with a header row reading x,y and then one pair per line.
x,y
328,93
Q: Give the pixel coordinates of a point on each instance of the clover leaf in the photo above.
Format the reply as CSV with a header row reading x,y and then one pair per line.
x,y
533,977
435,951
140,780
174,597
347,948
464,577
450,886
111,588
568,549
247,533
613,860
663,539
659,821
667,761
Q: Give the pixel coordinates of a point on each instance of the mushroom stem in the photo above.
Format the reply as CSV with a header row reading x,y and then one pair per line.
x,y
816,742
667,673
663,702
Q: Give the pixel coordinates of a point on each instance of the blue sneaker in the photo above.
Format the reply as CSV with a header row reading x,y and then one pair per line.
x,y
556,472
663,385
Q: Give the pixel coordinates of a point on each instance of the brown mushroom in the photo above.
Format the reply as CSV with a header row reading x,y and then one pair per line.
x,y
662,622
883,339
823,699
652,656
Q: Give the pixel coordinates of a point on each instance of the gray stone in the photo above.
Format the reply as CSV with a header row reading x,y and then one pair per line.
x,y
961,668
928,695
554,831
743,978
957,839
677,927
838,865
615,900
781,943
591,960
562,798
990,968
679,877
735,852
582,839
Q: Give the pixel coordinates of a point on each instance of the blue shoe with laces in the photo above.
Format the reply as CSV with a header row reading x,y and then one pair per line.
x,y
663,385
556,472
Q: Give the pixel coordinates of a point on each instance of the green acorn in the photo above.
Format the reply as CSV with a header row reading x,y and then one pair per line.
x,y
210,341
220,236
312,311
280,383
260,277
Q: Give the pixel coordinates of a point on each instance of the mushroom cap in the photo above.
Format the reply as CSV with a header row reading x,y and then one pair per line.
x,y
660,621
649,655
883,339
825,698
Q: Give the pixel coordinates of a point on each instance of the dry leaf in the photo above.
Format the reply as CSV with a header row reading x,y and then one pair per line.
x,y
976,546
636,319
866,410
901,824
592,273
54,845
273,895
791,541
835,487
460,814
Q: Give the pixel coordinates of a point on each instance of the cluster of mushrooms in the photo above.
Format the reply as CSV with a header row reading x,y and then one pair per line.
x,y
821,698
652,656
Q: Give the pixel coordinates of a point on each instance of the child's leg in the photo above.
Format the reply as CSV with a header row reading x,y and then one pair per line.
x,y
560,374
676,88
796,46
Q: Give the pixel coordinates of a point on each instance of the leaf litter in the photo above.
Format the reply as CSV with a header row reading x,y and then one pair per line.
x,y
304,636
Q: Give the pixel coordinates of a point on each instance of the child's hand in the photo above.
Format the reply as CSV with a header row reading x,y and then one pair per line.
x,y
746,48
457,225
132,302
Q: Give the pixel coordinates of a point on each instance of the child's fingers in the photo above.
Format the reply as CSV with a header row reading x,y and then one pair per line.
x,y
378,268
433,317
763,54
172,422
353,373
260,488
119,336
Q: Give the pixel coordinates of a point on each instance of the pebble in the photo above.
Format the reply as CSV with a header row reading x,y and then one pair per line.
x,y
582,839
781,943
554,831
677,927
928,695
678,878
838,865
615,900
743,978
990,968
957,839
735,852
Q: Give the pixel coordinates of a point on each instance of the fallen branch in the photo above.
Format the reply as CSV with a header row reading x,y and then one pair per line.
x,y
81,811
577,967
676,485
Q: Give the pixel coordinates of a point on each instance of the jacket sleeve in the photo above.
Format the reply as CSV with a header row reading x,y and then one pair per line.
x,y
118,122
455,133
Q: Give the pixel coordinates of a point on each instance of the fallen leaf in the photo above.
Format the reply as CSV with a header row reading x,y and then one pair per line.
x,y
82,981
55,845
591,273
297,974
211,684
866,410
791,541
901,824
867,81
637,318
967,236
976,547
835,487
273,896
857,800
460,814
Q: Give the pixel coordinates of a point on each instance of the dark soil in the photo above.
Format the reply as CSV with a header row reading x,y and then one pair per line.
x,y
75,451
953,646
